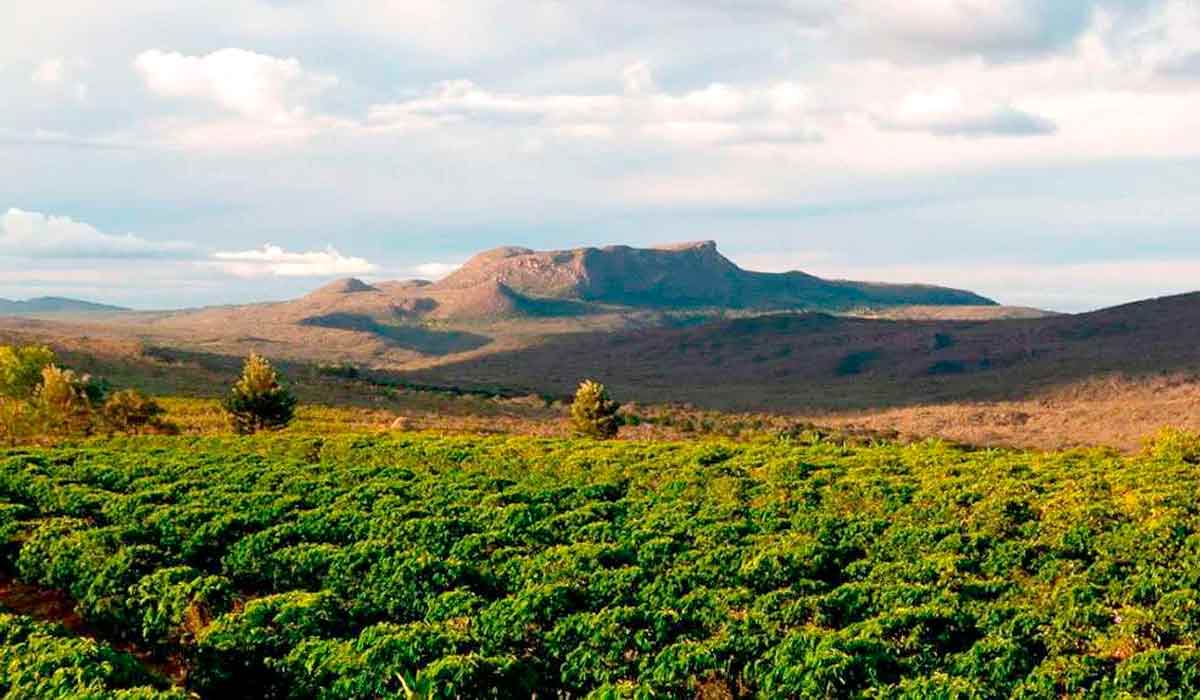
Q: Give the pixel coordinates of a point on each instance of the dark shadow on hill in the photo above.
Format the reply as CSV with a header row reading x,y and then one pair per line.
x,y
816,362
539,307
420,339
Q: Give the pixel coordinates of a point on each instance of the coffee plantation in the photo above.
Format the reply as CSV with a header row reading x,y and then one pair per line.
x,y
283,566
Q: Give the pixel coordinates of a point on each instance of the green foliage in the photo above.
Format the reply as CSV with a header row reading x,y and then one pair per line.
x,y
44,661
1174,445
17,421
258,401
342,370
856,363
40,400
131,411
434,567
64,400
594,413
21,370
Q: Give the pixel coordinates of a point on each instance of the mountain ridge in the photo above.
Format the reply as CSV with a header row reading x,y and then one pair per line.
x,y
510,298
51,304
681,276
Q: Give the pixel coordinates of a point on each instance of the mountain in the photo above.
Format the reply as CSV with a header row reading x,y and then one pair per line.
x,y
55,305
512,298
683,276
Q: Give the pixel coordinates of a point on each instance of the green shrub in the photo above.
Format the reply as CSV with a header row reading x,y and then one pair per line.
x,y
856,363
259,401
594,413
64,401
17,421
21,369
131,411
1174,445
490,567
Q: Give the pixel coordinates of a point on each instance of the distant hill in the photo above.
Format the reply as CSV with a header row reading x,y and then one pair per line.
x,y
510,298
41,305
815,360
1106,377
683,276
508,283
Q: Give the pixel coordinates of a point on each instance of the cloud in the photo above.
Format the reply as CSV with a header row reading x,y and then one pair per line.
x,y
54,76
716,114
49,72
27,234
945,113
1173,48
253,85
435,270
998,30
271,260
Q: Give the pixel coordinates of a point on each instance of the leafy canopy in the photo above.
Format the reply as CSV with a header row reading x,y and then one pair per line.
x,y
594,413
131,411
259,401
21,369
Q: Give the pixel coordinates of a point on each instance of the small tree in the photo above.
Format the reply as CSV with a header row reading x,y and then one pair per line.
x,y
17,421
258,401
21,370
131,411
64,400
594,413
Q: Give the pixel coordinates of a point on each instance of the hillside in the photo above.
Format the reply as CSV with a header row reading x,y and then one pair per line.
x,y
1109,377
509,299
43,305
819,360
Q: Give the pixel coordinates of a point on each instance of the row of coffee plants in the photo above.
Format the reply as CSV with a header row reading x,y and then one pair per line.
x,y
363,567
39,660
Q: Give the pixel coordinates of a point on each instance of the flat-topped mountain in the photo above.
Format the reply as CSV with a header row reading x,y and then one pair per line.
x,y
54,305
688,275
510,298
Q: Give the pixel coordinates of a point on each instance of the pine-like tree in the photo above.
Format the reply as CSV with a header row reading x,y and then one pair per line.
x,y
258,401
594,413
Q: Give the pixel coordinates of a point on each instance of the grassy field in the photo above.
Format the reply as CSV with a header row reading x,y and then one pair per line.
x,y
362,566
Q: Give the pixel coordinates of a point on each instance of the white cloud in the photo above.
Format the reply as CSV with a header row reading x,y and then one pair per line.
x,y
1174,46
1003,30
253,85
54,76
271,260
716,114
944,112
550,136
435,270
49,72
27,234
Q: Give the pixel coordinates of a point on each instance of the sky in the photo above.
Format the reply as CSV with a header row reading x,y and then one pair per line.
x,y
165,154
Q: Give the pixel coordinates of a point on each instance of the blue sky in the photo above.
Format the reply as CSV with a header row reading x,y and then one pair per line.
x,y
1042,153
